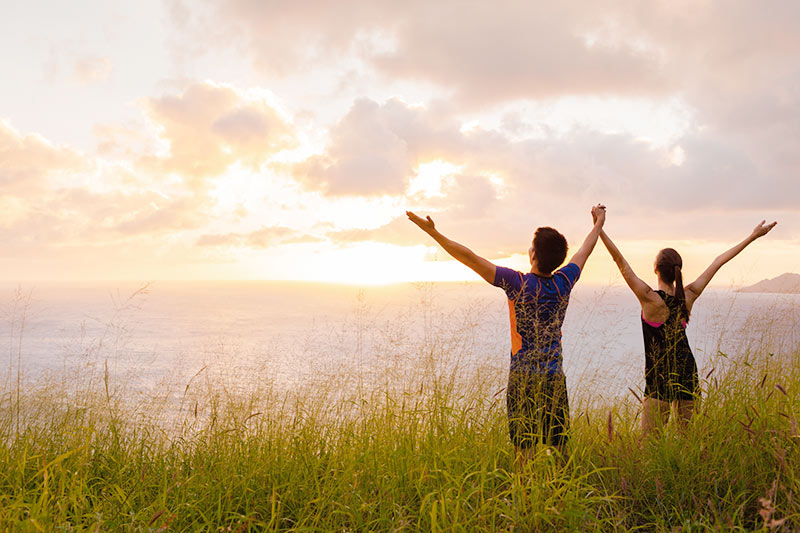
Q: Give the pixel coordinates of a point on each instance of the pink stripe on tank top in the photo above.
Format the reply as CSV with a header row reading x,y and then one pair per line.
x,y
659,324
653,324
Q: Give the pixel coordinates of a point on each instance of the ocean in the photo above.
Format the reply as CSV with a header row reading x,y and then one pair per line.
x,y
164,334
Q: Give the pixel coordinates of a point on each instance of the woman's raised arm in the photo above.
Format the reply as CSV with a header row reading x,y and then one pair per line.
x,y
642,290
694,289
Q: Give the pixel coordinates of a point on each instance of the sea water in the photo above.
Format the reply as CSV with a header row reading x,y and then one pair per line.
x,y
292,333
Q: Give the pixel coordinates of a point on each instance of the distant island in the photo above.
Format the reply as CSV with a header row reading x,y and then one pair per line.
x,y
785,283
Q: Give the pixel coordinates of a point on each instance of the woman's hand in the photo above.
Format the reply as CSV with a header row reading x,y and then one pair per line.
x,y
599,212
762,229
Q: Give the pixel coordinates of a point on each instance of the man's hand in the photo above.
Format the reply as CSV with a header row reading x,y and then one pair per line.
x,y
762,229
599,213
599,218
425,224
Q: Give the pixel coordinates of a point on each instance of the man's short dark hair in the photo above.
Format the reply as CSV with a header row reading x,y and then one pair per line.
x,y
549,248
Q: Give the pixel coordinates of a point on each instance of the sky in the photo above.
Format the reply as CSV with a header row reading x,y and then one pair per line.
x,y
277,140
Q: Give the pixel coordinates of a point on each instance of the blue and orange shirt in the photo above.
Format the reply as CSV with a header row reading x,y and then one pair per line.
x,y
536,307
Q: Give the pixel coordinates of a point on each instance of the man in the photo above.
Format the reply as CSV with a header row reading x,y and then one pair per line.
x,y
538,408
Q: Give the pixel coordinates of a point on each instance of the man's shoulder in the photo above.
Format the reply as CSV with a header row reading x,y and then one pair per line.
x,y
570,268
569,273
504,277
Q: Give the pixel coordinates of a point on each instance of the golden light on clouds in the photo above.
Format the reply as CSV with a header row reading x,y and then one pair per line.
x,y
427,180
240,141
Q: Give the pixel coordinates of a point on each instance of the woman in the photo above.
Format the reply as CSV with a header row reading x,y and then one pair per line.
x,y
670,370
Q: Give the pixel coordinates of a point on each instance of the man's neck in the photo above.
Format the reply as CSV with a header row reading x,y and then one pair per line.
x,y
539,273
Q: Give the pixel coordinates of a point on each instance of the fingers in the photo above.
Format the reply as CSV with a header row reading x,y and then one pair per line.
x,y
763,228
424,223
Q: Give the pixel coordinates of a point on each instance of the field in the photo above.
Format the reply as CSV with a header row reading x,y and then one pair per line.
x,y
419,447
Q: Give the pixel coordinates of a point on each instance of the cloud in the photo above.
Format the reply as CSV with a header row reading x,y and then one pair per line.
x,y
481,77
161,215
480,51
399,231
263,237
90,70
733,66
283,35
79,216
492,52
209,127
374,148
28,162
519,184
55,196
366,156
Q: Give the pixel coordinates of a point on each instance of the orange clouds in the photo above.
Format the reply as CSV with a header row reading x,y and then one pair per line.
x,y
92,70
483,52
263,237
27,162
375,147
209,127
56,197
323,124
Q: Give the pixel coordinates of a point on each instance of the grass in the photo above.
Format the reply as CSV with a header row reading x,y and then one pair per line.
x,y
425,451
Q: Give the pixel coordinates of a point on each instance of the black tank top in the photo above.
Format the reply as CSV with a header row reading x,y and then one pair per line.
x,y
666,344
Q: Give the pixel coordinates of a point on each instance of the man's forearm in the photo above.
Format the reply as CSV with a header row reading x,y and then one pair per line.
x,y
457,250
582,255
591,239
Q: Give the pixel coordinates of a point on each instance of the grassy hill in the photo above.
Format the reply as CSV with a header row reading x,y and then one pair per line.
x,y
427,456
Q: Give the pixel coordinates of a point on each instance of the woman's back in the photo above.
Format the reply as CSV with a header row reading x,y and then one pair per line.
x,y
670,368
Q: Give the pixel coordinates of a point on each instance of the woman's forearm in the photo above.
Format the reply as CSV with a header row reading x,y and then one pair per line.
x,y
727,255
616,255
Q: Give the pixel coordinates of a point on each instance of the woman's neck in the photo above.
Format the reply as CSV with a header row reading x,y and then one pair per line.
x,y
669,288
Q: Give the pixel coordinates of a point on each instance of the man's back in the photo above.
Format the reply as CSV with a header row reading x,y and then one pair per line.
x,y
537,306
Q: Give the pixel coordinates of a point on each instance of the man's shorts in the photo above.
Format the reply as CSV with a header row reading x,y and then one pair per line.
x,y
538,408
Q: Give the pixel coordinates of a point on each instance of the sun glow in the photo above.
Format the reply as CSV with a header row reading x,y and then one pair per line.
x,y
429,177
367,263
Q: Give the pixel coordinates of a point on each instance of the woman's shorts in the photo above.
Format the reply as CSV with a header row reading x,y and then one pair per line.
x,y
670,380
538,409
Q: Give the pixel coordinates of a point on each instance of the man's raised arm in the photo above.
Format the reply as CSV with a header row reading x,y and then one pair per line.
x,y
599,217
481,266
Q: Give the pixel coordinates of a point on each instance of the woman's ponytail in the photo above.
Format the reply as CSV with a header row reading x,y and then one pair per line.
x,y
679,293
669,264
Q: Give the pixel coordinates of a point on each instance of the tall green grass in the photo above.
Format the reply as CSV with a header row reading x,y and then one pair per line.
x,y
421,448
